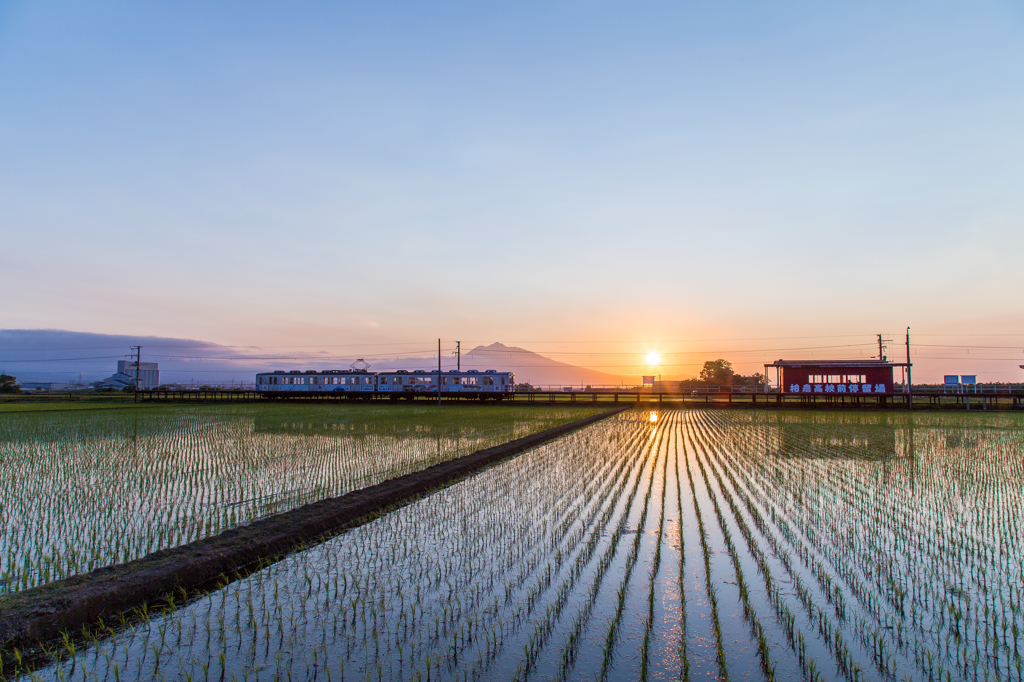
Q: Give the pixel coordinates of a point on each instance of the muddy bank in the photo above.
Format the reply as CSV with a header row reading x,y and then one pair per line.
x,y
40,614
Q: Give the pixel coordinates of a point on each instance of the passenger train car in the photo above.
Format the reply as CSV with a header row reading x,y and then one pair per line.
x,y
489,384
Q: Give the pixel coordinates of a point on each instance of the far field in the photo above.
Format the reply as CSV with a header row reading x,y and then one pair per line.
x,y
668,544
90,488
676,544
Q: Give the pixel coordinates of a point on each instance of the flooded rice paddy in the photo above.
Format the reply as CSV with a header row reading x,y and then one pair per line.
x,y
677,544
86,489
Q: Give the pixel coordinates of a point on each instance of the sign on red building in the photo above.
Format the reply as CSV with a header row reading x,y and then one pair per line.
x,y
835,377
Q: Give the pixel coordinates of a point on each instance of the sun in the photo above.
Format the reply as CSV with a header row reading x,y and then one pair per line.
x,y
653,358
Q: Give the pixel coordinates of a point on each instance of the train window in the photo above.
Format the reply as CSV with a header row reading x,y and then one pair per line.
x,y
383,380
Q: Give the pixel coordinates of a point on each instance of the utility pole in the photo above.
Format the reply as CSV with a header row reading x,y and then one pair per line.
x,y
881,349
138,358
439,372
458,356
910,383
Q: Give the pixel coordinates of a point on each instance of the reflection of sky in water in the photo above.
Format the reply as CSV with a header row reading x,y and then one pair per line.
x,y
602,553
182,473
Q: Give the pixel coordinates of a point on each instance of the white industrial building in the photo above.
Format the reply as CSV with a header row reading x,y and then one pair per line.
x,y
149,375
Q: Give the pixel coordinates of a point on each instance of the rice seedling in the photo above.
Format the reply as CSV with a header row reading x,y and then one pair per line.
x,y
821,546
83,490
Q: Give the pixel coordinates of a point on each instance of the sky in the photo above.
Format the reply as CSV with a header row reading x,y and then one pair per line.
x,y
588,180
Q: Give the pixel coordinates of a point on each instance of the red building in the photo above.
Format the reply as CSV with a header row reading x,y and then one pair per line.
x,y
834,377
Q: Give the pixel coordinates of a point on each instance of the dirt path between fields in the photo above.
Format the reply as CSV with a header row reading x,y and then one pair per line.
x,y
41,614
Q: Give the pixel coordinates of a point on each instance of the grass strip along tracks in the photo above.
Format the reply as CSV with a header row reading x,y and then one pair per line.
x,y
45,613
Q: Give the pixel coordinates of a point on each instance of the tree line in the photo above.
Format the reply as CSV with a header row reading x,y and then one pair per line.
x,y
720,373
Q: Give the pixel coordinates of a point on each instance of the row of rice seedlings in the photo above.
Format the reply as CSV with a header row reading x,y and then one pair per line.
x,y
579,624
762,646
709,581
750,516
913,520
532,644
707,449
797,637
576,630
631,558
427,608
815,598
477,611
186,473
566,581
881,611
645,652
564,585
684,657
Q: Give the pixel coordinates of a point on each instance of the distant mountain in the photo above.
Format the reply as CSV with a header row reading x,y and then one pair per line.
x,y
536,369
59,355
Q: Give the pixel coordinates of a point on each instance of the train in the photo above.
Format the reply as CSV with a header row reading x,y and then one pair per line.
x,y
401,383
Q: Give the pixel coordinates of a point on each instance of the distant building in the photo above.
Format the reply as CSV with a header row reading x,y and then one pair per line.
x,y
44,386
149,376
149,372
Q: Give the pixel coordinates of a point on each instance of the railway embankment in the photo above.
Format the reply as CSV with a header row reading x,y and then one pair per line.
x,y
42,614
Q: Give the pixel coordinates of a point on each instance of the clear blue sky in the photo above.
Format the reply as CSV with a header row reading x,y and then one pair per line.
x,y
580,173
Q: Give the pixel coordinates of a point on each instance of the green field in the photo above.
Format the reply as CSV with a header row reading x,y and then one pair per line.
x,y
90,488
702,544
61,406
657,544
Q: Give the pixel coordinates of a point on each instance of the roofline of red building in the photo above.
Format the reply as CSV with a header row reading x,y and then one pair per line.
x,y
834,363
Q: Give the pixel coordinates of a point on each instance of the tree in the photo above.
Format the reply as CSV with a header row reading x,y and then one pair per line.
x,y
8,384
718,372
